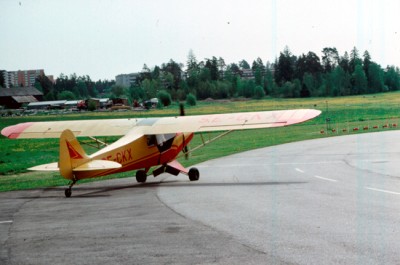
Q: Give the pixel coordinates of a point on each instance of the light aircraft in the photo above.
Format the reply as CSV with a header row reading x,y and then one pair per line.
x,y
145,142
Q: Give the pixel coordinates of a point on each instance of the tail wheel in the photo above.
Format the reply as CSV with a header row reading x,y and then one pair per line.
x,y
141,176
194,174
68,192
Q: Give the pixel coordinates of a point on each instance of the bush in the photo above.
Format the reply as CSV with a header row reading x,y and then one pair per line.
x,y
164,97
66,95
191,99
259,92
92,105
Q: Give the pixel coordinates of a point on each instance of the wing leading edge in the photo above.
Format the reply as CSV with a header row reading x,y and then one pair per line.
x,y
196,123
230,121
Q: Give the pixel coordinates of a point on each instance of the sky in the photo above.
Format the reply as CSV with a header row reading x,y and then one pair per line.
x,y
104,38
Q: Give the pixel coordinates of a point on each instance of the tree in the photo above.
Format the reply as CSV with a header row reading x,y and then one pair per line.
x,y
330,59
310,84
168,80
82,87
46,85
290,89
191,99
367,61
248,88
269,83
221,65
92,105
344,62
309,63
156,72
285,66
258,77
375,78
66,95
234,68
392,78
191,63
176,71
212,65
258,64
117,91
164,97
150,88
136,93
244,64
360,83
259,92
341,81
205,74
259,71
354,60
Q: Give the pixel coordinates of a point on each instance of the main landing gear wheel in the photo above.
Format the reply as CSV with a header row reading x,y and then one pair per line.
x,y
194,174
141,176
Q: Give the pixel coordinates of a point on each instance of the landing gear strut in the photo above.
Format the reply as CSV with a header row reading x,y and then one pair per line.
x,y
68,191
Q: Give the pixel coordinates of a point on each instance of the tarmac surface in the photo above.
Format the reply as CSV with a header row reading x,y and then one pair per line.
x,y
326,201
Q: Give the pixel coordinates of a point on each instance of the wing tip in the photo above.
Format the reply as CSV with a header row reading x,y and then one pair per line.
x,y
303,115
14,131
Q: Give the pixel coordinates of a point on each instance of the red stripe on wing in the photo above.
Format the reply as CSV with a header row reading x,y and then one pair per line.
x,y
14,131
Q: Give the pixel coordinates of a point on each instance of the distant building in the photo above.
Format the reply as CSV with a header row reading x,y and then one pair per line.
x,y
14,98
20,78
126,80
246,74
54,104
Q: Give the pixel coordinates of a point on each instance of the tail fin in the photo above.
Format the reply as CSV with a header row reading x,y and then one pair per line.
x,y
72,154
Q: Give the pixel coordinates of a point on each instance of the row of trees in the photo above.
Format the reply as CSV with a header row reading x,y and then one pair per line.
x,y
73,87
289,76
306,75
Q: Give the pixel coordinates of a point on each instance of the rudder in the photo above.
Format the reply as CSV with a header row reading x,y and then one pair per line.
x,y
72,154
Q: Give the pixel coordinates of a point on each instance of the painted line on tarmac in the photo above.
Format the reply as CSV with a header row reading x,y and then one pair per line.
x,y
6,222
327,179
385,191
299,170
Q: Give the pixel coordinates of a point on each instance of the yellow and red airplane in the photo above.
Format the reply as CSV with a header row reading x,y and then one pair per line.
x,y
145,142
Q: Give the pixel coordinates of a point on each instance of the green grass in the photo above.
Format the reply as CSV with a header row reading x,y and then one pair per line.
x,y
344,113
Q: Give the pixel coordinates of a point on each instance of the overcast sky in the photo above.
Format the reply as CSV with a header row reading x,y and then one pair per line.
x,y
104,38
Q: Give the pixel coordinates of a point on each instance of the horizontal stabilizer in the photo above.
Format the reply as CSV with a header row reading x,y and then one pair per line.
x,y
97,165
45,167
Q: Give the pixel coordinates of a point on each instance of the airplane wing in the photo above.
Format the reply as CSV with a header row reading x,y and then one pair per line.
x,y
196,123
229,121
53,129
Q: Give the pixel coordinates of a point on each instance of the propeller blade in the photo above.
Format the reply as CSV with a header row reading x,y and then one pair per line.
x,y
182,113
182,109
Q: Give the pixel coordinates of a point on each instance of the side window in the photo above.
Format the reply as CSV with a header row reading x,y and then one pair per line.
x,y
162,141
151,140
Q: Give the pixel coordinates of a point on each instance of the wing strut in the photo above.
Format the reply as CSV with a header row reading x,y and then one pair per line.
x,y
210,140
98,144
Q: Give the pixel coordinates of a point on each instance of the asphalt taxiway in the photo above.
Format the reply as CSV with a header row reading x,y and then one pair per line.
x,y
326,201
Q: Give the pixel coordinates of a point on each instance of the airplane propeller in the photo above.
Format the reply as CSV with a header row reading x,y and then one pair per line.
x,y
182,113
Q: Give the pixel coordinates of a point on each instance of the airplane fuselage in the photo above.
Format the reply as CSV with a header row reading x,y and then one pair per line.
x,y
142,153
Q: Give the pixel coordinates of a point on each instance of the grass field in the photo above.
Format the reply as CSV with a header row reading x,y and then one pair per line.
x,y
345,114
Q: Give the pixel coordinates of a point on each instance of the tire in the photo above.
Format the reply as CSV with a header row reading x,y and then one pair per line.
x,y
68,193
141,176
194,174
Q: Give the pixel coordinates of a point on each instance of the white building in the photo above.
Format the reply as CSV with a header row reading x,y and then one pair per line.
x,y
126,80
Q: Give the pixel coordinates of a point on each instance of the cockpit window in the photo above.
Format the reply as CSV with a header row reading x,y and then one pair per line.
x,y
163,141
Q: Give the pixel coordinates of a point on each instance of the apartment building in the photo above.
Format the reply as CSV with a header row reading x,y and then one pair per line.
x,y
20,78
126,80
